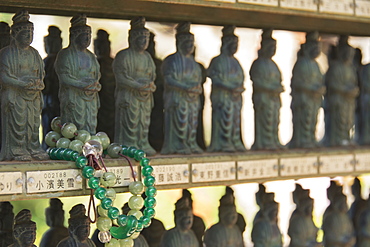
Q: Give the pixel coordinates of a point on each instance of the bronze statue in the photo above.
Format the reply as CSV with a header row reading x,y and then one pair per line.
x,y
363,104
106,113
79,73
51,109
55,220
307,93
337,226
331,191
241,223
21,81
357,62
342,90
225,233
227,86
262,199
266,78
79,229
181,235
363,227
182,81
135,73
6,224
24,230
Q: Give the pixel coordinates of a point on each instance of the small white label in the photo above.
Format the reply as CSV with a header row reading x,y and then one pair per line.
x,y
253,169
336,163
337,7
217,171
363,8
261,2
309,5
123,175
53,180
298,166
171,174
362,161
11,183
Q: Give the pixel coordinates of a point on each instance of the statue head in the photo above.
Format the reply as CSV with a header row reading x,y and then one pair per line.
x,y
4,34
356,188
345,51
53,41
54,213
184,39
138,34
312,46
268,44
270,210
227,210
187,194
299,193
79,224
79,32
340,203
24,229
306,206
332,190
183,214
22,29
229,40
102,44
260,193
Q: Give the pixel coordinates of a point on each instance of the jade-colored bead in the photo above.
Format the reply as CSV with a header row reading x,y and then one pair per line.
x,y
149,181
111,193
95,138
103,224
63,143
68,130
53,153
136,213
131,152
51,138
94,183
59,152
56,124
100,194
122,220
83,136
113,243
151,191
113,150
106,203
132,222
150,202
102,212
76,145
124,150
136,202
140,226
150,212
146,220
139,155
75,155
144,162
81,162
136,188
67,154
108,179
127,242
147,171
113,213
88,172
135,235
105,141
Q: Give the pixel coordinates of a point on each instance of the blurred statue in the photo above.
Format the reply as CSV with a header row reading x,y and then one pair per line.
x,y
331,191
21,82
79,229
364,103
225,233
337,226
79,73
342,90
227,86
267,87
299,194
262,199
182,78
55,220
6,224
53,44
265,232
181,235
363,227
357,62
135,73
241,224
24,230
307,93
106,113
156,132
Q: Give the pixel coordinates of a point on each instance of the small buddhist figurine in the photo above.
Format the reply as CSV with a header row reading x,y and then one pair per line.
x,y
225,233
79,73
134,70
299,194
331,191
182,89
307,93
337,226
241,221
266,78
79,229
55,220
106,113
181,235
342,90
357,62
53,44
198,226
6,224
363,228
266,232
21,82
24,230
263,199
364,104
227,87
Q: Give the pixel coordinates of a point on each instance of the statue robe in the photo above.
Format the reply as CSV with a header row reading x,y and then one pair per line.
x,y
133,105
220,235
302,231
227,76
77,105
53,236
181,107
307,85
72,242
266,234
267,87
20,107
177,238
364,101
338,229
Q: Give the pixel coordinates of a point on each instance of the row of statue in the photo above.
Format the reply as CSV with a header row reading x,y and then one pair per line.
x,y
157,105
341,227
